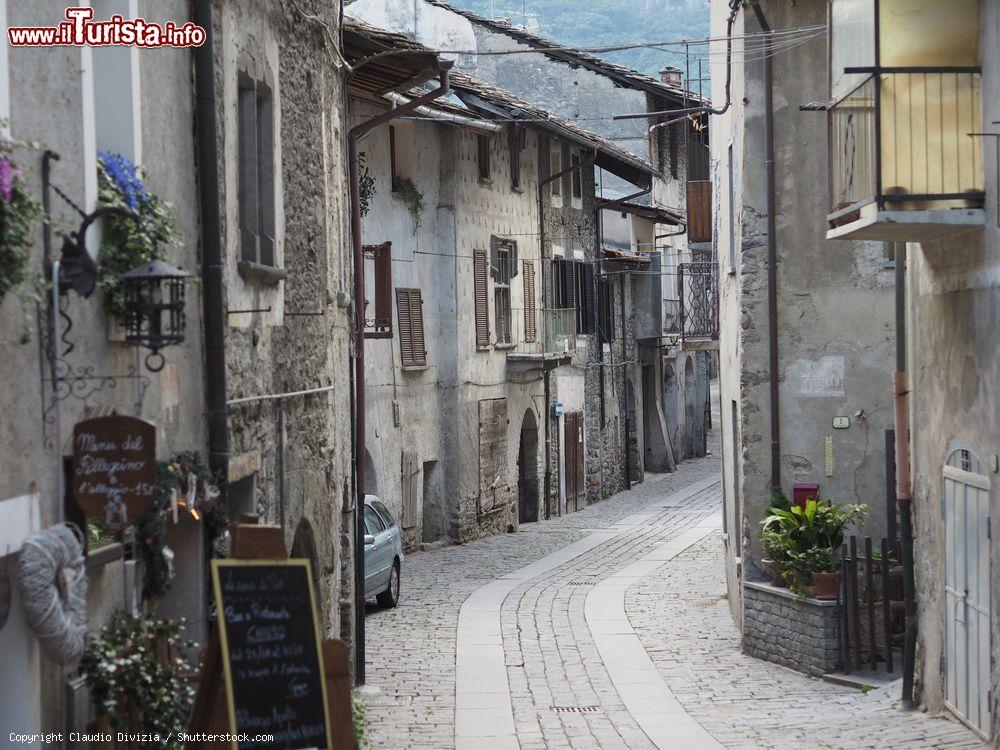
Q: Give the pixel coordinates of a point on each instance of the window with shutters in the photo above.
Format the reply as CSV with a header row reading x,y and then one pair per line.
x,y
501,293
494,487
584,298
378,271
555,166
517,139
563,284
606,308
255,133
483,145
401,153
530,319
410,314
480,281
577,175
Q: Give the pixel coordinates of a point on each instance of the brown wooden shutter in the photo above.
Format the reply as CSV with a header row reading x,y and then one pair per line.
x,y
410,311
410,476
530,332
480,280
493,481
585,302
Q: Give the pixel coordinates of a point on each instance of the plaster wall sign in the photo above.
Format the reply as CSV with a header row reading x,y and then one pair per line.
x,y
821,378
114,470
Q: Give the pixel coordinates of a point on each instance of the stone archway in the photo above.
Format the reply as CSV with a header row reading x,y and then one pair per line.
x,y
527,470
371,475
670,406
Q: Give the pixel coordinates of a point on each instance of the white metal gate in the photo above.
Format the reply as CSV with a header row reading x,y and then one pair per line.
x,y
967,589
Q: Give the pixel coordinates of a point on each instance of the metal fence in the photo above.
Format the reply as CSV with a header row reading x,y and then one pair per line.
x,y
872,614
697,285
903,137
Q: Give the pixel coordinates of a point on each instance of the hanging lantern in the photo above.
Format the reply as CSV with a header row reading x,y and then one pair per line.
x,y
154,295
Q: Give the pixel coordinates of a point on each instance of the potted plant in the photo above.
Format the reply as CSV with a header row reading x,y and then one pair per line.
x,y
809,538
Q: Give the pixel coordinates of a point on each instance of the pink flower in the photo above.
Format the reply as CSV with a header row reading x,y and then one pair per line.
x,y
7,176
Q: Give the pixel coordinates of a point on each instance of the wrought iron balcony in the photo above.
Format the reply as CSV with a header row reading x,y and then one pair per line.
x,y
699,301
903,165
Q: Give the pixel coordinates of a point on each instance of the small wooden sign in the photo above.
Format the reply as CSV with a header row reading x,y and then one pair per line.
x,y
271,653
114,469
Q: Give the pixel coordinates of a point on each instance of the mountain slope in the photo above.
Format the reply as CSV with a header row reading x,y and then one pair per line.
x,y
603,23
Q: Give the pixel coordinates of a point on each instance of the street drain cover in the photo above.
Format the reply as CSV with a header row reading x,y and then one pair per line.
x,y
576,709
580,583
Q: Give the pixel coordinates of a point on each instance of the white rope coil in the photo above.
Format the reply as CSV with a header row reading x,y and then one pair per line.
x,y
52,579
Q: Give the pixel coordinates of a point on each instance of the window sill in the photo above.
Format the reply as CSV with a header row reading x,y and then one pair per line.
x,y
414,368
504,346
260,274
484,348
485,182
517,190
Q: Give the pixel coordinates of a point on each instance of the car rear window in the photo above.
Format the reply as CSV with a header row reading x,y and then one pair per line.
x,y
384,513
373,523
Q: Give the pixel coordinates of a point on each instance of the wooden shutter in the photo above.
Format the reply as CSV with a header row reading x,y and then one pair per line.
x,y
410,311
410,476
493,485
480,283
382,255
530,332
586,301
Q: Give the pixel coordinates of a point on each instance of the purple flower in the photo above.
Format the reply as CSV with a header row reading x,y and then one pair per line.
x,y
125,175
6,178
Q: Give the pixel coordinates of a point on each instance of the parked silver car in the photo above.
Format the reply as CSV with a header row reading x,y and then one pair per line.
x,y
383,553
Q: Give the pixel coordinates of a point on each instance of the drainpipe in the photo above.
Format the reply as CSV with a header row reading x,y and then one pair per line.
x,y
628,454
542,184
211,250
353,140
904,495
772,247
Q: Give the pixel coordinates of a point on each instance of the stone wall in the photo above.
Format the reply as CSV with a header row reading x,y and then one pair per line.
x,y
802,634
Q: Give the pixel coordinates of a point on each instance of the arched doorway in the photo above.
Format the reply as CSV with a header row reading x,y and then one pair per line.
x,y
527,470
691,410
670,397
966,489
304,547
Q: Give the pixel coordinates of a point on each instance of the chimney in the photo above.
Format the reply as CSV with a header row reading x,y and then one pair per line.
x,y
671,76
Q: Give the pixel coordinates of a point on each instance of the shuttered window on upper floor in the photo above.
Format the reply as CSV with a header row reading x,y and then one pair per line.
x,y
410,313
255,123
380,259
585,298
530,315
480,282
606,309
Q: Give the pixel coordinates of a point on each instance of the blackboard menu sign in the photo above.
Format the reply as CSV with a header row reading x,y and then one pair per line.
x,y
271,653
114,470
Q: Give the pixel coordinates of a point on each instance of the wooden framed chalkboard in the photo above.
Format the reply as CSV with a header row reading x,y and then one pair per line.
x,y
271,653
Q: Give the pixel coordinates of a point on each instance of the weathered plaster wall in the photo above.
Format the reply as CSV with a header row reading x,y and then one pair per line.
x,y
953,361
835,339
66,122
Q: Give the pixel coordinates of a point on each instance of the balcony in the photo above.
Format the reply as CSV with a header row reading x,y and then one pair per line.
x,y
699,305
904,165
556,343
699,211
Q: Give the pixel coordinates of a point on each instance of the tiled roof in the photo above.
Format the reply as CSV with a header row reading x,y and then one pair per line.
x,y
624,76
519,109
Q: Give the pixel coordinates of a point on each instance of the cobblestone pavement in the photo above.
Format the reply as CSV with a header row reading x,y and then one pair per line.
x,y
561,693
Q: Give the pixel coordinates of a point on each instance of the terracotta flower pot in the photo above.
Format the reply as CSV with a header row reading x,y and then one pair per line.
x,y
825,585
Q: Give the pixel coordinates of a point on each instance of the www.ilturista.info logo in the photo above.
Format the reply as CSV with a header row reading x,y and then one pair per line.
x,y
79,30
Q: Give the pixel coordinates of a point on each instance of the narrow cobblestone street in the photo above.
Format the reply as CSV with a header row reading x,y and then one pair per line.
x,y
606,628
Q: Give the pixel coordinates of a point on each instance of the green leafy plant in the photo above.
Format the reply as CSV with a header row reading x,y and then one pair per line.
x,y
359,719
151,529
404,189
802,540
133,669
366,183
19,211
127,243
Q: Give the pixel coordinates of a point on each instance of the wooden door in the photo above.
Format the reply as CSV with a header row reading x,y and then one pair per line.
x,y
576,495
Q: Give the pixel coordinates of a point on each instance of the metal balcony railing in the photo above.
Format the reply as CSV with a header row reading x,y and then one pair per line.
x,y
671,316
559,329
699,300
901,139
